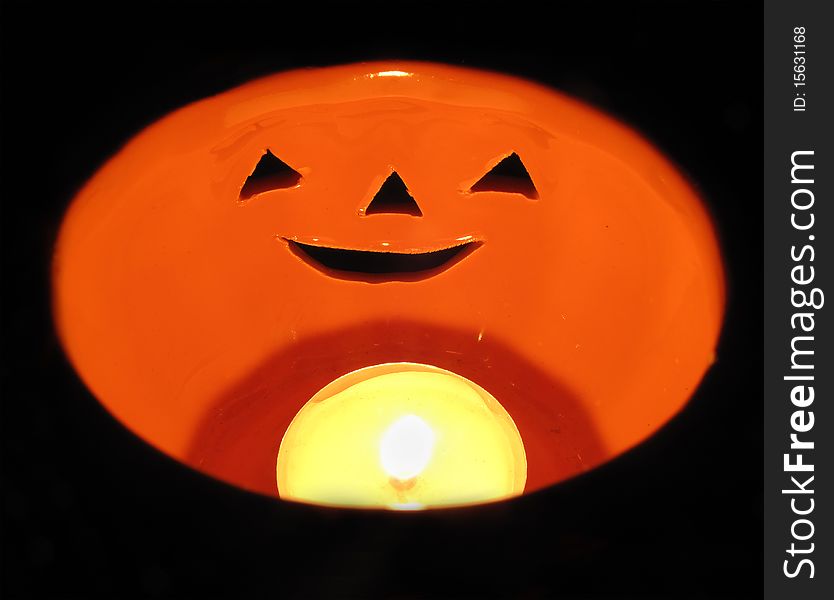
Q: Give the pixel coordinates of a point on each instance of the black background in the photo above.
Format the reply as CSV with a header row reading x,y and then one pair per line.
x,y
90,511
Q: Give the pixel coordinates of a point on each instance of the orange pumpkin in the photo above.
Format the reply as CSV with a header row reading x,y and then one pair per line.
x,y
243,252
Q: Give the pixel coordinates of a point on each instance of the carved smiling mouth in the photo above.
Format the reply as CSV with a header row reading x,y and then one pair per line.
x,y
376,266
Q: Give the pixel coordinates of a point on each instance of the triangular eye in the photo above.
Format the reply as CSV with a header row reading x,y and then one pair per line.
x,y
271,173
509,175
393,197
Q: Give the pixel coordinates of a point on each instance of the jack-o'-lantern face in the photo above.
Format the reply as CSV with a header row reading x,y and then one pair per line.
x,y
245,251
345,208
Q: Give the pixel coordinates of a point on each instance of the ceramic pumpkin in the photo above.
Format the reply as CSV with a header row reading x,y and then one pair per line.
x,y
245,251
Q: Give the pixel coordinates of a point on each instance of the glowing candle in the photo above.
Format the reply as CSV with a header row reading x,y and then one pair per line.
x,y
406,447
401,436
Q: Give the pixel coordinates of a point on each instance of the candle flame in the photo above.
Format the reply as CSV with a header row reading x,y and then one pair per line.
x,y
406,447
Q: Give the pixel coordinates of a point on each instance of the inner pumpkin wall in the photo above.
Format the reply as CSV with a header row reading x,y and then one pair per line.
x,y
590,312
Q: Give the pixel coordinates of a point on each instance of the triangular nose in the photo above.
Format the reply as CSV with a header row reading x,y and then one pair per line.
x,y
393,198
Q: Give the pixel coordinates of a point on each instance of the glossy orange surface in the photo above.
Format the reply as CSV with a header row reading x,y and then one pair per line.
x,y
203,309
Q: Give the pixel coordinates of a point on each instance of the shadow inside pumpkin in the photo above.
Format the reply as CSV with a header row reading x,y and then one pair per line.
x,y
239,437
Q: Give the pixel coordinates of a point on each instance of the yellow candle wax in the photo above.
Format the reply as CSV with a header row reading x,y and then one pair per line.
x,y
401,436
